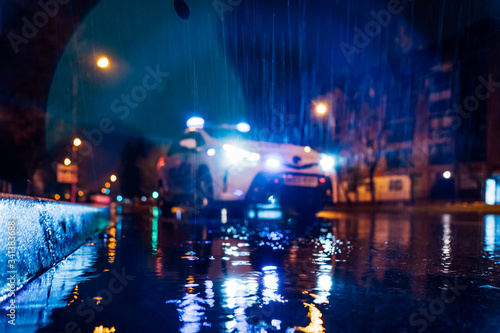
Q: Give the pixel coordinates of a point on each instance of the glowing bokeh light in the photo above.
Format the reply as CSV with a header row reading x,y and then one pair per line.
x,y
321,109
103,62
243,127
195,122
211,152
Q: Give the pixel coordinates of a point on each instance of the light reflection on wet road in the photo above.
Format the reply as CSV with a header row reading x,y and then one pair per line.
x,y
344,273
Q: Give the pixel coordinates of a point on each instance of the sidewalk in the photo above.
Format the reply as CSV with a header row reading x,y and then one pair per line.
x,y
422,207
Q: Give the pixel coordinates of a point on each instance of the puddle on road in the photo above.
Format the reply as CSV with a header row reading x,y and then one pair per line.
x,y
351,273
56,288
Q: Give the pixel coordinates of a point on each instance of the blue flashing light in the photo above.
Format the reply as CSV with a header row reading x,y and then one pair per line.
x,y
195,122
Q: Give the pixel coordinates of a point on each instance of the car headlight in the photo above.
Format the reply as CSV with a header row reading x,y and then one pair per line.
x,y
236,155
273,163
326,163
211,151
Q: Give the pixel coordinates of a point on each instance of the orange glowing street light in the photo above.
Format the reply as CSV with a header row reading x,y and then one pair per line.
x,y
113,178
321,108
77,142
103,62
67,161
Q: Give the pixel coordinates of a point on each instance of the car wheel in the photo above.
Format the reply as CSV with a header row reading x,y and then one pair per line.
x,y
204,189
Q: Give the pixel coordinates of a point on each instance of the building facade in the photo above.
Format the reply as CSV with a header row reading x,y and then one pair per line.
x,y
424,126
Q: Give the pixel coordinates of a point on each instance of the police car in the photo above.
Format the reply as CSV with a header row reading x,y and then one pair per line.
x,y
221,165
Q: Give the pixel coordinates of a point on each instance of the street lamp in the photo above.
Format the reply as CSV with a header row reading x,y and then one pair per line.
x,y
67,161
195,122
103,62
113,178
321,108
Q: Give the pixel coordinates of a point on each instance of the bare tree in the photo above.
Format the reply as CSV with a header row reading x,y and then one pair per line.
x,y
373,139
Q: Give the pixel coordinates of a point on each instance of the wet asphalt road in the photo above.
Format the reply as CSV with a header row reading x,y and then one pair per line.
x,y
344,273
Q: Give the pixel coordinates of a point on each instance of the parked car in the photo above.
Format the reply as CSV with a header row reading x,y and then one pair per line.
x,y
221,165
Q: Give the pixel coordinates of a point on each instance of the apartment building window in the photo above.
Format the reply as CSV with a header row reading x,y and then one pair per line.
x,y
441,127
399,159
441,153
396,185
400,131
440,95
439,108
441,81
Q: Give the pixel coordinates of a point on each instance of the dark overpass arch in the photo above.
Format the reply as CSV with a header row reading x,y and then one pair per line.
x,y
28,61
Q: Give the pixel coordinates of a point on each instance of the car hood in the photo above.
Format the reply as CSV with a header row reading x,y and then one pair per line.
x,y
292,155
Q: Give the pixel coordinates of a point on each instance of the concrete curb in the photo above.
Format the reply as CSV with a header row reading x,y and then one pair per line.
x,y
36,233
